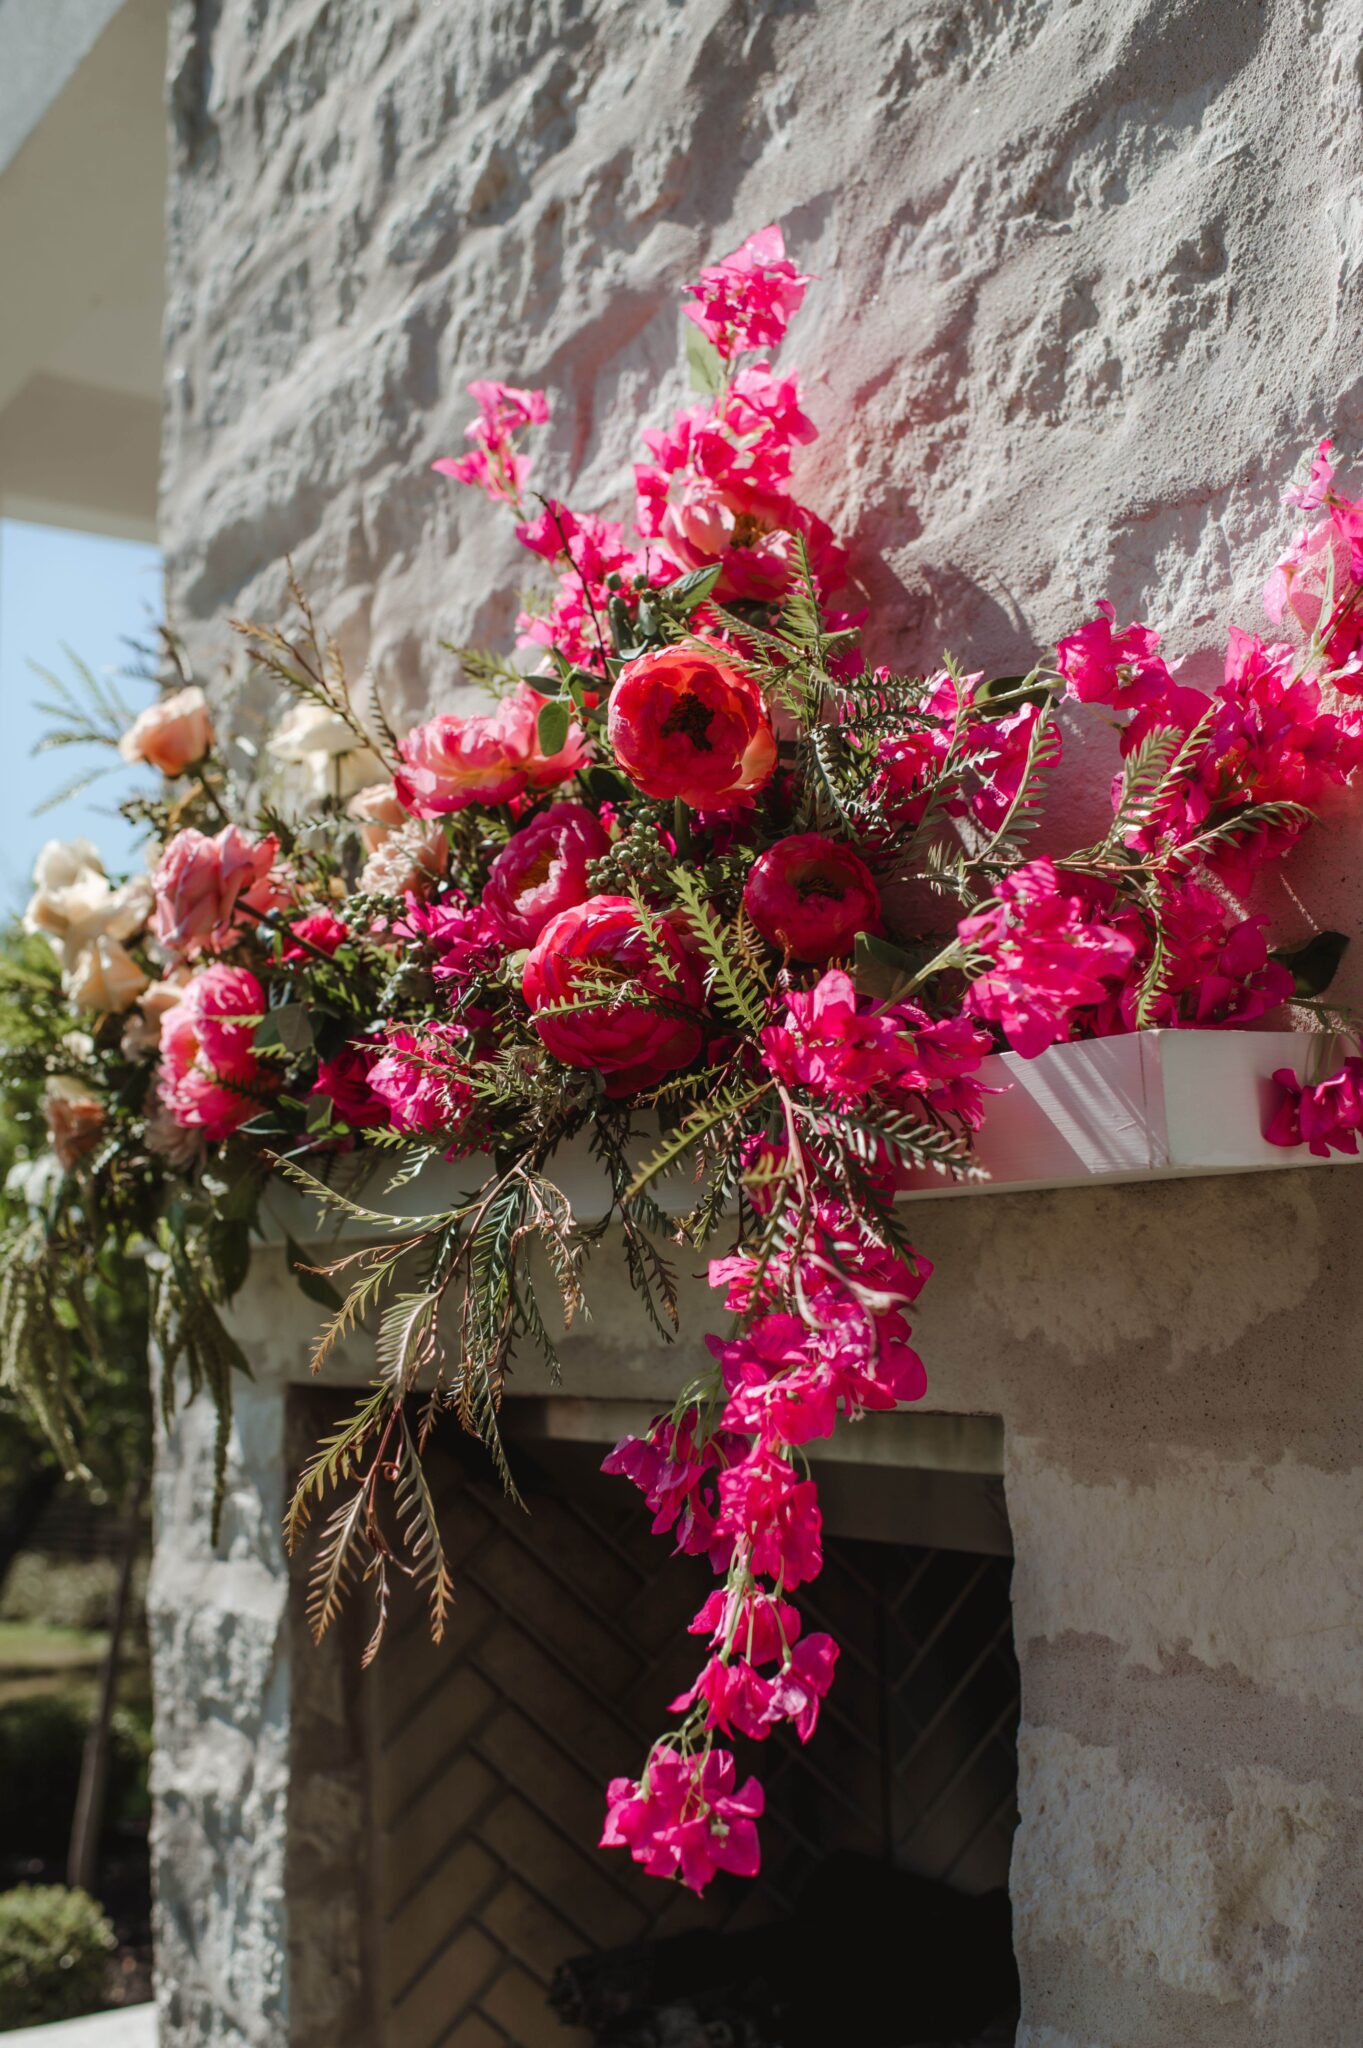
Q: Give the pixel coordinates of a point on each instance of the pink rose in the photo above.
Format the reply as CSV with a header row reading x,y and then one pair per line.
x,y
172,734
685,723
452,762
541,871
211,1078
811,897
632,1043
201,882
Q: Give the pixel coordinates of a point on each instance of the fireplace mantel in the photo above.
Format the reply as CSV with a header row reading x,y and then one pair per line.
x,y
1153,1105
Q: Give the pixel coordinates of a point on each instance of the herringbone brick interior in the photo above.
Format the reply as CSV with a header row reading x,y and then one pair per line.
x,y
490,1753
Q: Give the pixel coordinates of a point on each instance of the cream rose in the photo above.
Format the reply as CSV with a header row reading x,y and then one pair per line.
x,y
72,896
172,734
377,811
323,746
104,976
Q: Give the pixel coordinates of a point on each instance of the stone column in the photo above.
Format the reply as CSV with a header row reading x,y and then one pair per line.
x,y
222,1669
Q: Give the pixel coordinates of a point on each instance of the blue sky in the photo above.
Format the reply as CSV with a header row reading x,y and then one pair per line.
x,y
85,592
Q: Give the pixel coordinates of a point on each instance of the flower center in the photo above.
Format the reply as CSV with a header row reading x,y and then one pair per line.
x,y
689,719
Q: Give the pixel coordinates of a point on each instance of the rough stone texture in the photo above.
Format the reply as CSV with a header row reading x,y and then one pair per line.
x,y
221,1659
1091,278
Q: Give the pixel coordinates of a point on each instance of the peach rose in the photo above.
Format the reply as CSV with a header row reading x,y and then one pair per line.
x,y
172,734
377,811
75,1119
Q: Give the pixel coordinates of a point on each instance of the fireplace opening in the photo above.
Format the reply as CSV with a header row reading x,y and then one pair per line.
x,y
881,1912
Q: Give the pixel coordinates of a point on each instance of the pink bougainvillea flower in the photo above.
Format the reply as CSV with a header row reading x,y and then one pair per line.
x,y
1265,740
423,1081
542,870
600,947
833,1044
211,1078
344,1081
1325,1116
201,884
776,1515
1103,666
488,758
758,1627
746,301
810,896
675,1467
685,1819
1053,955
495,465
685,723
457,940
1306,497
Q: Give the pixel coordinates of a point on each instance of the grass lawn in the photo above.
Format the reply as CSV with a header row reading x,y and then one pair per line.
x,y
36,1658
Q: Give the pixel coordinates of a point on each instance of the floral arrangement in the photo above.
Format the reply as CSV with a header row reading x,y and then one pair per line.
x,y
699,887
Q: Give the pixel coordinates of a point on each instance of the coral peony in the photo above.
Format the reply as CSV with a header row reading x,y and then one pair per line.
x,y
685,723
200,884
489,758
172,734
811,897
601,945
541,871
211,1078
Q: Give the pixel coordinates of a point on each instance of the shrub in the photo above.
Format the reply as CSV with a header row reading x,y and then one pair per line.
x,y
41,1740
66,1592
54,1951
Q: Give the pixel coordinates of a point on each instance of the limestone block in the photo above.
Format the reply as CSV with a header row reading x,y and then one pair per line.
x,y
1089,281
220,1661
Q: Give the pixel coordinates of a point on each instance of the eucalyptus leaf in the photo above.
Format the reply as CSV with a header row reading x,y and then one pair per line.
x,y
316,1286
552,726
289,1026
704,364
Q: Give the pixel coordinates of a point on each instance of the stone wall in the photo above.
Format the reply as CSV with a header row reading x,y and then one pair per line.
x,y
1090,278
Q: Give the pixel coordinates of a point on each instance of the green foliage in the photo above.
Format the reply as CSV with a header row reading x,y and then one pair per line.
x,y
55,1946
42,1737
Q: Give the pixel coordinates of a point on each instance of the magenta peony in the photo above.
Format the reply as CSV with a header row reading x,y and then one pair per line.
x,y
811,897
541,871
600,944
685,723
489,758
211,1079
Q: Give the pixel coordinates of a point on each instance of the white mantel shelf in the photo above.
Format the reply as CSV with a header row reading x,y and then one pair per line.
x,y
1154,1105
